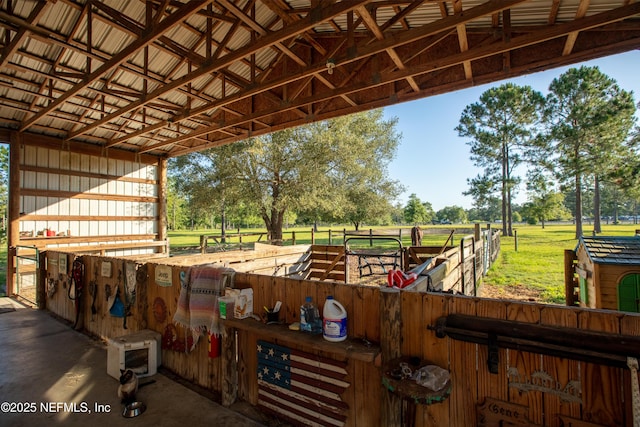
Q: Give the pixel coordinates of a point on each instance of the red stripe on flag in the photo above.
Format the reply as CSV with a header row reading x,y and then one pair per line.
x,y
318,383
295,399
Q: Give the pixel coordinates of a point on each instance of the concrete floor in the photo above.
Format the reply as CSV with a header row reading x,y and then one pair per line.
x,y
44,365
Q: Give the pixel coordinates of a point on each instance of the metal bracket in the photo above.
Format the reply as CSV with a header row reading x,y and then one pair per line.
x,y
493,358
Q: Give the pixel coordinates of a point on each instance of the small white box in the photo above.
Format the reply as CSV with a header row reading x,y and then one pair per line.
x,y
243,306
139,351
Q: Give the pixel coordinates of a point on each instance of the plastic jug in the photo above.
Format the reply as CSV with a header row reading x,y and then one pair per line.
x,y
334,324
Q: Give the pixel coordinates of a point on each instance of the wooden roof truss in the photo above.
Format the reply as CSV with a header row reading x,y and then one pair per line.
x,y
166,77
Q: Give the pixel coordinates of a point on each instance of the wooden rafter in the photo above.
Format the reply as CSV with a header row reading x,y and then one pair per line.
x,y
372,25
218,64
463,41
457,59
368,49
17,40
184,12
572,37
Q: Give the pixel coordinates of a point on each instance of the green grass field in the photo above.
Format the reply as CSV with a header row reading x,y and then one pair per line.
x,y
537,266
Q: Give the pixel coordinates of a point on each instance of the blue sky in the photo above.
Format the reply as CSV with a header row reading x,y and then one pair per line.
x,y
433,161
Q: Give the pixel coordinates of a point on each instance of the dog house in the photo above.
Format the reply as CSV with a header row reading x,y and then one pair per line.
x,y
606,272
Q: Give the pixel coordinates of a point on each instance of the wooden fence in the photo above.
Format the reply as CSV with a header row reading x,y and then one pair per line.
x,y
538,388
330,237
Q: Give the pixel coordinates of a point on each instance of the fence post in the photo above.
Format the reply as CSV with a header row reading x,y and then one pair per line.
x,y
293,238
371,237
203,244
390,336
569,271
515,238
313,236
329,237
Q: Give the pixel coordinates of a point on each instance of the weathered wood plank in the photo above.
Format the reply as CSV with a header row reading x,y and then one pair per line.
x,y
437,351
524,363
492,385
561,370
463,387
390,340
413,325
629,325
601,385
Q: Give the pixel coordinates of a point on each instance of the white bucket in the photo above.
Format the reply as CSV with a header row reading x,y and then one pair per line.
x,y
334,323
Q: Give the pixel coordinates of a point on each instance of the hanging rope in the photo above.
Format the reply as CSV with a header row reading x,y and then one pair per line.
x,y
632,363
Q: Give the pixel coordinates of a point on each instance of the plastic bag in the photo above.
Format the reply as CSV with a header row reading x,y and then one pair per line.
x,y
431,376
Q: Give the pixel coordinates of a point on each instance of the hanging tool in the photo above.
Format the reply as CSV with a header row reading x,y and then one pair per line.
x,y
93,291
75,289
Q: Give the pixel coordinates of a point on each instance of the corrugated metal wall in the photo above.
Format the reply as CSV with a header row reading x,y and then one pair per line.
x,y
68,195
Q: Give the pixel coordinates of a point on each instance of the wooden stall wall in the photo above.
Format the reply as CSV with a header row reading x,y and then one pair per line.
x,y
71,198
95,318
55,284
546,390
362,305
551,391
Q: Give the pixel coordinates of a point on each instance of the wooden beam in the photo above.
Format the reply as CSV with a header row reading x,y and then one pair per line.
x,y
553,12
369,49
372,25
573,36
162,200
364,51
13,236
176,18
463,41
39,9
320,15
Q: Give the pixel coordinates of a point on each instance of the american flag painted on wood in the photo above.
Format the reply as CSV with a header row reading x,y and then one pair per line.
x,y
301,388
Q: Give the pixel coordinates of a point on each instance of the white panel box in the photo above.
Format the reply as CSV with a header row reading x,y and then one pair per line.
x,y
139,351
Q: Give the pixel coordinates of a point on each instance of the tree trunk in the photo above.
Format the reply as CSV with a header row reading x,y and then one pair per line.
x,y
223,221
509,213
597,227
504,196
578,206
277,219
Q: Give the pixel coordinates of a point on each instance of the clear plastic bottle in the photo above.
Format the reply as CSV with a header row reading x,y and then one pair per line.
x,y
310,320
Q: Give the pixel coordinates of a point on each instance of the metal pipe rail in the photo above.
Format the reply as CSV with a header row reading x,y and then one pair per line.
x,y
572,343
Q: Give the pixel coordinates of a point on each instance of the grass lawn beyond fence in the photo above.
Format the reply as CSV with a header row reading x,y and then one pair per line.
x,y
536,268
537,265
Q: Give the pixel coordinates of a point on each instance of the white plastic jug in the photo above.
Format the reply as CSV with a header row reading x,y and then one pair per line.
x,y
334,323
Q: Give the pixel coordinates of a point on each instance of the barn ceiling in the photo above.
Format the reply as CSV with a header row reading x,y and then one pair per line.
x,y
166,77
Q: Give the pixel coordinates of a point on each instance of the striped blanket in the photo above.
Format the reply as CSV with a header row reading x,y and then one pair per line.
x,y
200,289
